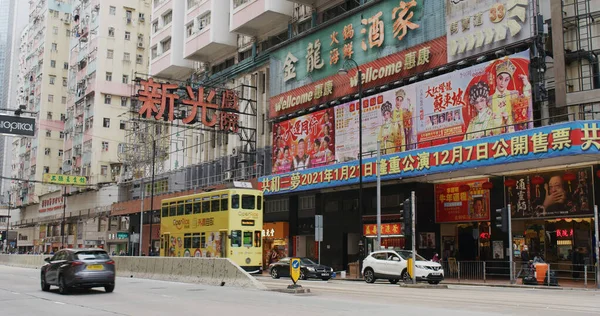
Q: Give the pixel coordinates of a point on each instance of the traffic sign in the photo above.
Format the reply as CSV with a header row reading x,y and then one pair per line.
x,y
295,269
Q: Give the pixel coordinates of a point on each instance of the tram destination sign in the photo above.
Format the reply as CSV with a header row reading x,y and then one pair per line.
x,y
16,125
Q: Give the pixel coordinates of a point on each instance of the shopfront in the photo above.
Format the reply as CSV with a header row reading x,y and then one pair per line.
x,y
391,236
276,242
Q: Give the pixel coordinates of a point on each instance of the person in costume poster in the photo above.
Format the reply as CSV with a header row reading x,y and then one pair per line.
x,y
484,123
503,98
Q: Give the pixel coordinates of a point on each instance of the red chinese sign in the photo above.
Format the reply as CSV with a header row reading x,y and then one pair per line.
x,y
564,233
456,203
158,102
386,229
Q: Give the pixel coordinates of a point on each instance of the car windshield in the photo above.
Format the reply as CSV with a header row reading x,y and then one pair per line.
x,y
306,261
91,255
405,254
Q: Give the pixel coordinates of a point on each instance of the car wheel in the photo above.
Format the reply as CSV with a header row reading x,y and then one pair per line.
x,y
62,286
434,282
274,273
369,275
393,281
45,286
405,276
109,288
302,275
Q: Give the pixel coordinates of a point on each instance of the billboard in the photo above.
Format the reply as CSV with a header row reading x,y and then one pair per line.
x,y
16,125
476,26
561,193
558,140
456,205
304,142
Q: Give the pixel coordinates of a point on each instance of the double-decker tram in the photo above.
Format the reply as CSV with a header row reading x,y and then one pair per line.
x,y
221,224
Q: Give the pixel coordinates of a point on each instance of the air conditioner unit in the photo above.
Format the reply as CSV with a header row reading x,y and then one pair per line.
x,y
227,175
140,44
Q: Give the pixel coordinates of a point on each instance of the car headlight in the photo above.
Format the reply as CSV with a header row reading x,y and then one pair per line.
x,y
330,269
310,268
419,267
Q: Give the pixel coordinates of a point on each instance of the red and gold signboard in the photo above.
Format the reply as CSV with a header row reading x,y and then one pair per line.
x,y
386,229
464,201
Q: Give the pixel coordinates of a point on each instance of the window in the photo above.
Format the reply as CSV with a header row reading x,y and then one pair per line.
x,y
128,15
104,170
66,66
47,151
122,124
257,238
54,47
215,204
60,153
237,3
248,202
164,211
203,21
107,98
55,14
167,18
139,59
55,30
61,135
127,36
68,33
108,76
155,27
191,3
106,122
104,146
247,239
197,207
52,79
91,255
112,10
49,115
224,203
196,241
154,52
53,63
125,79
46,169
110,53
121,148
111,32
63,117
166,45
235,201
189,29
188,207
141,17
172,209
179,208
126,56
50,98
206,205
64,81
48,133
187,241
123,101
63,100
236,238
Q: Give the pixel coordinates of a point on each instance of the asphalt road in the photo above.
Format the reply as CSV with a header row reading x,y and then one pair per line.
x,y
20,294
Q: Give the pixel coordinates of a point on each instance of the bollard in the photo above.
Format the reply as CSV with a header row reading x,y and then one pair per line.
x,y
585,275
458,270
484,272
548,274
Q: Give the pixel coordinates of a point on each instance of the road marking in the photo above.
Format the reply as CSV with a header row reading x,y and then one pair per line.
x,y
166,295
60,303
15,293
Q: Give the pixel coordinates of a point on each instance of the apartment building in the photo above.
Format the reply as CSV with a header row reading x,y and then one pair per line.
x,y
44,91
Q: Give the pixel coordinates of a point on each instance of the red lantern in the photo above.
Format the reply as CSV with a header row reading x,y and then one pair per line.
x,y
487,185
569,176
510,183
537,180
464,188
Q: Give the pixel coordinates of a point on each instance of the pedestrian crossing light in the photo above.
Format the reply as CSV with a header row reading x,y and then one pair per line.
x,y
406,218
501,219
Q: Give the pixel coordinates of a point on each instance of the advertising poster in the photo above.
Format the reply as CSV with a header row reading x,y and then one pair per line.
x,y
456,205
477,26
304,142
552,194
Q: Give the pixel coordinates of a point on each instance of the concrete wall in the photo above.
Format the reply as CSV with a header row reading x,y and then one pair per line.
x,y
209,271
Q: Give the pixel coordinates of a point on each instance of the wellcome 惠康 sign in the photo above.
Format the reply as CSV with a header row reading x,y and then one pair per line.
x,y
567,139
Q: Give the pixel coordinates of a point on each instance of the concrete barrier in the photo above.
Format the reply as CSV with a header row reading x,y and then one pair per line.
x,y
210,271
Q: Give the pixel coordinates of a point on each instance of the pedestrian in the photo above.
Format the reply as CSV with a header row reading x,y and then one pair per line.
x,y
436,258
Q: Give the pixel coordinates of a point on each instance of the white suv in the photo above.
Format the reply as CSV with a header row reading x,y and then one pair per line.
x,y
391,265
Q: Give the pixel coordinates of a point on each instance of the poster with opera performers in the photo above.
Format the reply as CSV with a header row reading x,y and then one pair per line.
x,y
304,142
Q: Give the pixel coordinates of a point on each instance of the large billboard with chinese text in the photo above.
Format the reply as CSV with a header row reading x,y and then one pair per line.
x,y
304,142
464,201
476,26
559,140
379,30
561,193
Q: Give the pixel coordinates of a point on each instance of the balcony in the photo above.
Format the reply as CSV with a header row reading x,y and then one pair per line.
x,y
207,32
256,17
87,158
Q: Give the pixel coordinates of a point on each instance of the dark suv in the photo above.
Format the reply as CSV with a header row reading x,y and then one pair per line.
x,y
78,268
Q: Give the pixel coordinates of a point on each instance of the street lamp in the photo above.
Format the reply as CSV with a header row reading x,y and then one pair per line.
x,y
344,71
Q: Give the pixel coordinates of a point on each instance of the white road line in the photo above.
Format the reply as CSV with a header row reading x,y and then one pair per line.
x,y
15,293
60,303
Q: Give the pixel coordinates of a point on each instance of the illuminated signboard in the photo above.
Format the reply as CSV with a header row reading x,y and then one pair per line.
x,y
573,138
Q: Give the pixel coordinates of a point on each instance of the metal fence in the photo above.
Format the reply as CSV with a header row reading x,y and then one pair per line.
x,y
564,274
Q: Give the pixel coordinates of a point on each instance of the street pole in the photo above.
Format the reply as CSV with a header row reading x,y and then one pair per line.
x,y
510,244
360,149
140,248
413,238
7,225
150,246
62,226
378,197
596,249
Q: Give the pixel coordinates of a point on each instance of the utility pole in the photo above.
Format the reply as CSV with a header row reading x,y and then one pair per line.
x,y
143,196
150,246
596,248
413,216
378,197
7,225
510,245
62,226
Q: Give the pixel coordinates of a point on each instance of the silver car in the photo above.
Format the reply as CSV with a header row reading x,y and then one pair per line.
x,y
78,268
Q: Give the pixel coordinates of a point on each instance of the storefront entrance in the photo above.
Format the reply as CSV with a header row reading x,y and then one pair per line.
x,y
275,242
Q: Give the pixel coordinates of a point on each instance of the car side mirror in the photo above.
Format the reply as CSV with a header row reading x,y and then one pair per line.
x,y
396,259
48,259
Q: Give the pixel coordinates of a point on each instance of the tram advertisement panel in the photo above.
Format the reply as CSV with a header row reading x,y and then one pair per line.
x,y
464,201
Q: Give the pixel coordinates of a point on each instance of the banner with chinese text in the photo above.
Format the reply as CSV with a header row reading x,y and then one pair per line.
x,y
561,193
304,142
565,139
387,229
454,205
477,26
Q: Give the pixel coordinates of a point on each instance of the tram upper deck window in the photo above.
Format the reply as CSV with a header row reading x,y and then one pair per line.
x,y
172,209
180,208
235,201
188,207
165,210
248,202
